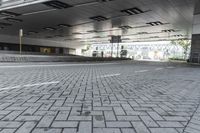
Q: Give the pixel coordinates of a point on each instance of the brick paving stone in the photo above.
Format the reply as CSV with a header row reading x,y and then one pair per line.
x,y
10,124
64,124
46,130
163,130
140,127
46,121
86,100
106,130
118,124
26,127
8,131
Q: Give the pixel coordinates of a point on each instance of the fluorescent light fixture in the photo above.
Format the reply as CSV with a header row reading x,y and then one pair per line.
x,y
57,4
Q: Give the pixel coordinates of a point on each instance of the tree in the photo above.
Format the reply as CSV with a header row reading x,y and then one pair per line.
x,y
185,44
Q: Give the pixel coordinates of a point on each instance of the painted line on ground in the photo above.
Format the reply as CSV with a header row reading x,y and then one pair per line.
x,y
170,67
59,65
29,85
110,75
157,69
141,71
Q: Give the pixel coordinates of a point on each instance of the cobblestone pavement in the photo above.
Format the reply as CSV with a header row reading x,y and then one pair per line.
x,y
121,97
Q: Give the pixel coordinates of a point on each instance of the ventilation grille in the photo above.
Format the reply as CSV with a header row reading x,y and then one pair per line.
x,y
8,14
155,23
98,18
170,30
49,28
14,20
125,27
5,24
57,4
132,11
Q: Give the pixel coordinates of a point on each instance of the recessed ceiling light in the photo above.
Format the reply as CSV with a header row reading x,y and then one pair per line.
x,y
57,4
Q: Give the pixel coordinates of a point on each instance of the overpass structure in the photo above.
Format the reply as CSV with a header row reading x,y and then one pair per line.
x,y
67,26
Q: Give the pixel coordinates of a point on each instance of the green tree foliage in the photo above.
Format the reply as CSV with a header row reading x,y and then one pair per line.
x,y
185,44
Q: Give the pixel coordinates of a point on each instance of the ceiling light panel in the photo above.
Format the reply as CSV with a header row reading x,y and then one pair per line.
x,y
57,4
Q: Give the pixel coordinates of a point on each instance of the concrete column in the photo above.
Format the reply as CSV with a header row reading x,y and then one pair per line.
x,y
195,49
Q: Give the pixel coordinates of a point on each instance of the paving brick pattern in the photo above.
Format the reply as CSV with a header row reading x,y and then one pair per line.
x,y
110,98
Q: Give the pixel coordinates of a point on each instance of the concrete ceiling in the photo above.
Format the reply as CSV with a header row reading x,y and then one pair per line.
x,y
173,19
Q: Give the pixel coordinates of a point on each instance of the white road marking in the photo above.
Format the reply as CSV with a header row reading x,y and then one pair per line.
x,y
30,85
110,75
157,69
170,67
22,66
141,71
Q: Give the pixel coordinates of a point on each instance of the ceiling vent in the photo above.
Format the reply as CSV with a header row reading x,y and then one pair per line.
x,y
105,0
92,31
49,28
57,4
154,37
142,33
5,24
8,14
132,11
125,27
167,31
155,23
14,20
64,25
98,18
32,32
